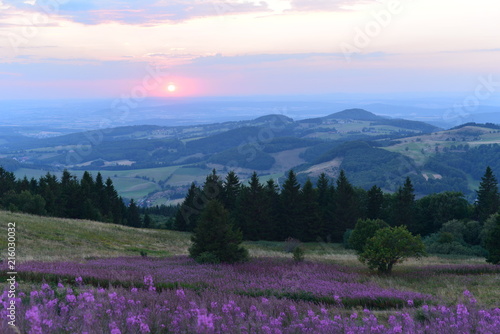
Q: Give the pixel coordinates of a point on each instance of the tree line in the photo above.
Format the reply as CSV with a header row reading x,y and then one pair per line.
x,y
69,197
327,210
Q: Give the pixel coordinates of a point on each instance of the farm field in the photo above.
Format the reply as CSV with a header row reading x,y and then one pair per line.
x,y
92,273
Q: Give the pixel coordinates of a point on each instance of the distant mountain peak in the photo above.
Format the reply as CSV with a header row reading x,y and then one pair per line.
x,y
357,114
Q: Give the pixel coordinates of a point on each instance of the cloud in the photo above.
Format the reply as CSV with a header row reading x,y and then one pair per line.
x,y
326,5
144,12
267,58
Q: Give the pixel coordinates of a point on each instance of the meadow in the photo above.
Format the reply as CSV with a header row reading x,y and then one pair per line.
x,y
88,277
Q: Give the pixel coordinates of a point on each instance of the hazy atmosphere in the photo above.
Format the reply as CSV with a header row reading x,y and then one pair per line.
x,y
249,167
94,49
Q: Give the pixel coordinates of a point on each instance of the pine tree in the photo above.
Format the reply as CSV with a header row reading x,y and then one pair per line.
x,y
215,239
189,211
230,191
325,201
291,217
375,202
273,206
147,223
133,217
252,214
488,198
310,208
346,208
403,211
212,188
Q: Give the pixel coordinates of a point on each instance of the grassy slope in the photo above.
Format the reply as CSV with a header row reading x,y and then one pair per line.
x,y
44,238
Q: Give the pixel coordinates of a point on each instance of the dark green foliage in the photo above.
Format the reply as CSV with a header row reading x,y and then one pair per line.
x,y
133,217
347,209
390,246
252,214
457,238
375,203
436,209
312,222
299,254
69,198
488,198
291,222
217,236
147,222
403,208
492,242
230,191
364,230
189,211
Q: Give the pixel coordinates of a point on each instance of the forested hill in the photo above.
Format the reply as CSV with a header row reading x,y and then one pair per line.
x,y
156,164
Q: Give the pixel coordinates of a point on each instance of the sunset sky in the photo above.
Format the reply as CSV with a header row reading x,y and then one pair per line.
x,y
96,48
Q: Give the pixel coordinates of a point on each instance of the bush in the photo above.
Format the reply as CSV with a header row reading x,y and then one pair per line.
x,y
298,254
364,230
389,246
207,257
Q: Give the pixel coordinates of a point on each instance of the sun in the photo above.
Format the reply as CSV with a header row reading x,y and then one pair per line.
x,y
171,88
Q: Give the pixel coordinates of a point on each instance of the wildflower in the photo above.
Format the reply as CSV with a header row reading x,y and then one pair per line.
x,y
79,280
205,321
144,328
410,303
70,298
180,293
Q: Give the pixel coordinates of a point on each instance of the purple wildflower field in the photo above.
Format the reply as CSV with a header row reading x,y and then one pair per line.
x,y
176,295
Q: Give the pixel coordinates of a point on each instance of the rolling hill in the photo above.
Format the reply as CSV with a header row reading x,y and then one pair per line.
x,y
156,164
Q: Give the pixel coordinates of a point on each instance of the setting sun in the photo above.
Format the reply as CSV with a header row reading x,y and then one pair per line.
x,y
171,88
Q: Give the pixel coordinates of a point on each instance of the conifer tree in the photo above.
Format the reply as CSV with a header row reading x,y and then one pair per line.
x,y
133,217
488,198
215,239
375,202
189,211
273,205
147,221
325,193
403,210
312,224
346,208
291,218
252,214
230,191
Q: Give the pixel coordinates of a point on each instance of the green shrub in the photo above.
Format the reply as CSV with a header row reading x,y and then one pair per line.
x,y
298,254
364,230
389,246
207,257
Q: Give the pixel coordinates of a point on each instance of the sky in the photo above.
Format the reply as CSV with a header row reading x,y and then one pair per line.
x,y
160,48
